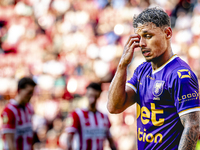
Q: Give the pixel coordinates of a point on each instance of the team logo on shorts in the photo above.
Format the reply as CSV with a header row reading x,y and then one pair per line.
x,y
158,87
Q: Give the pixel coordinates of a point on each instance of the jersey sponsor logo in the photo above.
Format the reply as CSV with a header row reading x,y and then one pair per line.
x,y
23,131
94,132
147,116
158,88
184,73
189,96
149,137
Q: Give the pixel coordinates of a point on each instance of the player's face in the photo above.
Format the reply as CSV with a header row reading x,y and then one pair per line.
x,y
26,94
92,96
153,41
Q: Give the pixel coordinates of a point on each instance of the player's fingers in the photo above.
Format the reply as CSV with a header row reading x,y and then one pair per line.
x,y
133,42
131,37
129,49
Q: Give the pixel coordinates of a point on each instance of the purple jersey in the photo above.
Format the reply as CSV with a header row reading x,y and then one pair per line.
x,y
162,96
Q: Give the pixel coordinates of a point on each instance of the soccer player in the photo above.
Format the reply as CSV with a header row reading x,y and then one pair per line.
x,y
17,125
164,87
91,125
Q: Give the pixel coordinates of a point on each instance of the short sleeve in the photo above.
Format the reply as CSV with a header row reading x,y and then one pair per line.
x,y
133,81
8,119
72,123
184,90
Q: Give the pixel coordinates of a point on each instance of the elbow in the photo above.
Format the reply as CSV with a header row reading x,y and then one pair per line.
x,y
114,104
113,110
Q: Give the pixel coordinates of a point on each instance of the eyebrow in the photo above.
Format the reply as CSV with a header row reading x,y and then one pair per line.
x,y
146,31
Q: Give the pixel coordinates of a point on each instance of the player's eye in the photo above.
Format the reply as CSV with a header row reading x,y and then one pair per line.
x,y
148,36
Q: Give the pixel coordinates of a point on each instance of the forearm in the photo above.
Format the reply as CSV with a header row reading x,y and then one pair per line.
x,y
10,141
11,146
190,133
111,142
117,94
69,141
120,98
69,146
189,138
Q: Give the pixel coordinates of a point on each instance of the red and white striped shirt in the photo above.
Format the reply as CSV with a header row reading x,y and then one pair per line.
x,y
92,128
18,120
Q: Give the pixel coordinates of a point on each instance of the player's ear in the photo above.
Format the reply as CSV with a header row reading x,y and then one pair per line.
x,y
168,32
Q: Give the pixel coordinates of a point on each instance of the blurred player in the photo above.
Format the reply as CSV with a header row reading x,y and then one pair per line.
x,y
17,114
91,125
164,87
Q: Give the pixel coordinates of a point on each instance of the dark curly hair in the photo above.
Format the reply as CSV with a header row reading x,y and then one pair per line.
x,y
153,15
95,86
23,82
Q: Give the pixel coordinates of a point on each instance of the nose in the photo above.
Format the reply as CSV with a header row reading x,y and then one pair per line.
x,y
142,42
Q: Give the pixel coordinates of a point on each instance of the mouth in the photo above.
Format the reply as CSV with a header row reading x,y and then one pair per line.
x,y
146,52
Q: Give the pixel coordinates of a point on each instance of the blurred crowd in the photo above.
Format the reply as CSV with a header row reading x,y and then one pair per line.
x,y
65,44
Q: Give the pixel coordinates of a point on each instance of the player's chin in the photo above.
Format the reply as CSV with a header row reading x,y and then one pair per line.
x,y
149,59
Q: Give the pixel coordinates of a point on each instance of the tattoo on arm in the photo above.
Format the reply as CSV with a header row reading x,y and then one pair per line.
x,y
190,133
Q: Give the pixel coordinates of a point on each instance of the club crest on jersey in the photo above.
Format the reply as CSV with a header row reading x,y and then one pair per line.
x,y
69,121
5,118
184,73
158,88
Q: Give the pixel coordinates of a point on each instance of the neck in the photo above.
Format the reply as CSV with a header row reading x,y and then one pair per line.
x,y
18,100
159,61
93,109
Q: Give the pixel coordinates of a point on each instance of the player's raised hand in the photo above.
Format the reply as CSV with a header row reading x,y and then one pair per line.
x,y
131,44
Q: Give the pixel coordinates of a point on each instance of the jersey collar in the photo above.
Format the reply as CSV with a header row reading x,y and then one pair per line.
x,y
14,102
161,67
